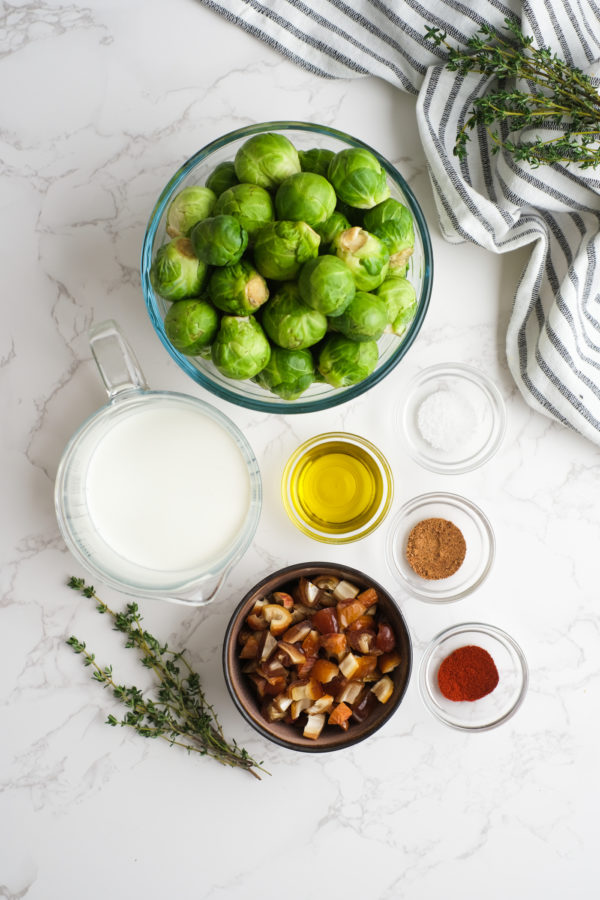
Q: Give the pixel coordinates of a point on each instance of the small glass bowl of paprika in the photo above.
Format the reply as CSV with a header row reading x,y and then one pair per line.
x,y
473,677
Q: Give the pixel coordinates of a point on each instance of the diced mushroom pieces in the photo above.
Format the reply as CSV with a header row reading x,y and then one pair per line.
x,y
383,689
278,617
243,636
298,706
388,662
365,642
322,705
251,648
259,684
310,690
350,693
334,644
340,715
297,632
386,639
295,656
258,604
276,685
327,582
250,667
344,590
272,713
314,726
324,670
256,622
326,599
311,643
266,645
283,599
349,665
365,666
305,668
283,701
308,593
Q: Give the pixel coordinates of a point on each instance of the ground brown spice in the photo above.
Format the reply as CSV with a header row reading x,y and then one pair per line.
x,y
435,549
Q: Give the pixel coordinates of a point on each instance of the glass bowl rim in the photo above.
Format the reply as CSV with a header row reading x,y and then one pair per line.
x,y
348,437
337,396
442,496
491,631
496,404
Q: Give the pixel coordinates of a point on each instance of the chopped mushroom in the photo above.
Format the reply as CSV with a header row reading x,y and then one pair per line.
x,y
384,689
318,654
278,617
314,726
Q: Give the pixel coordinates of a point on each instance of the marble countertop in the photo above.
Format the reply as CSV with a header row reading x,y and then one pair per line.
x,y
101,104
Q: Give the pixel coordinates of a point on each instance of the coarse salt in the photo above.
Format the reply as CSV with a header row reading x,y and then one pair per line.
x,y
446,420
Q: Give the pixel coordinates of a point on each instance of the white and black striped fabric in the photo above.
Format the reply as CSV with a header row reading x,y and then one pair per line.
x,y
553,339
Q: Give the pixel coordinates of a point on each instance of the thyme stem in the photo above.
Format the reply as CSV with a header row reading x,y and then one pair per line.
x,y
559,95
180,714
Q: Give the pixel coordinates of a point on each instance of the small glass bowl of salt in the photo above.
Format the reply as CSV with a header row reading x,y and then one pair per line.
x,y
453,419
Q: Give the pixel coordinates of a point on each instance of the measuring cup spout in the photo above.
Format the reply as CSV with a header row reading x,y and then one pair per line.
x,y
115,359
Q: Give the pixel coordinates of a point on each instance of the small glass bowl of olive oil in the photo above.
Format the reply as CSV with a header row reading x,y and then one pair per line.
x,y
337,487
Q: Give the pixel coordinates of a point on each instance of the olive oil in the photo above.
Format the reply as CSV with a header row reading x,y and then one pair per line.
x,y
336,487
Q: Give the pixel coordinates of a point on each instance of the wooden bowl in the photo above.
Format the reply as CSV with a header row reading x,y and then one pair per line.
x,y
243,692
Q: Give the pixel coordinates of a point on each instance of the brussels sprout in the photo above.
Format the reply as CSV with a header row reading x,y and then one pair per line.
x,y
305,197
176,272
355,216
400,298
189,206
288,373
364,319
191,325
329,230
250,204
365,255
327,284
240,349
291,323
358,178
392,222
237,290
266,160
221,178
219,241
280,248
343,362
315,160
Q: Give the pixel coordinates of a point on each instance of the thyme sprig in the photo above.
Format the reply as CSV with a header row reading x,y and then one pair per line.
x,y
180,714
559,97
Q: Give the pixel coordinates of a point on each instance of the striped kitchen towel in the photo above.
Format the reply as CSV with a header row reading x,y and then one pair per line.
x,y
553,339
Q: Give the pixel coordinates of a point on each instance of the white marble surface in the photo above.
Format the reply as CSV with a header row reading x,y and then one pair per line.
x,y
99,105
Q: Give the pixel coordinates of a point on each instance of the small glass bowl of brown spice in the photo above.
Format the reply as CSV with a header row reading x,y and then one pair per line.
x,y
440,547
455,676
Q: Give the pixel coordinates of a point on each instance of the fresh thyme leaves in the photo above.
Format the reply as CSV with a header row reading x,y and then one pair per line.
x,y
559,97
180,714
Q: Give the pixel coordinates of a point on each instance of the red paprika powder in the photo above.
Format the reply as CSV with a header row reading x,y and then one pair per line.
x,y
469,673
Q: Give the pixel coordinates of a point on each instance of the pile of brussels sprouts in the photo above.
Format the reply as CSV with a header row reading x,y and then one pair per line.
x,y
287,266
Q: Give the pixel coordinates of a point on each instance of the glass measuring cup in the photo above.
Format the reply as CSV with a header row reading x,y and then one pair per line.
x,y
137,487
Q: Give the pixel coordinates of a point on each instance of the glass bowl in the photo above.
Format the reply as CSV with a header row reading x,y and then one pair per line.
x,y
476,530
455,392
246,393
242,690
496,707
337,487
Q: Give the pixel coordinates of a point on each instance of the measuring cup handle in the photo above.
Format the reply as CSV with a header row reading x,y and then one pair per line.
x,y
115,359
